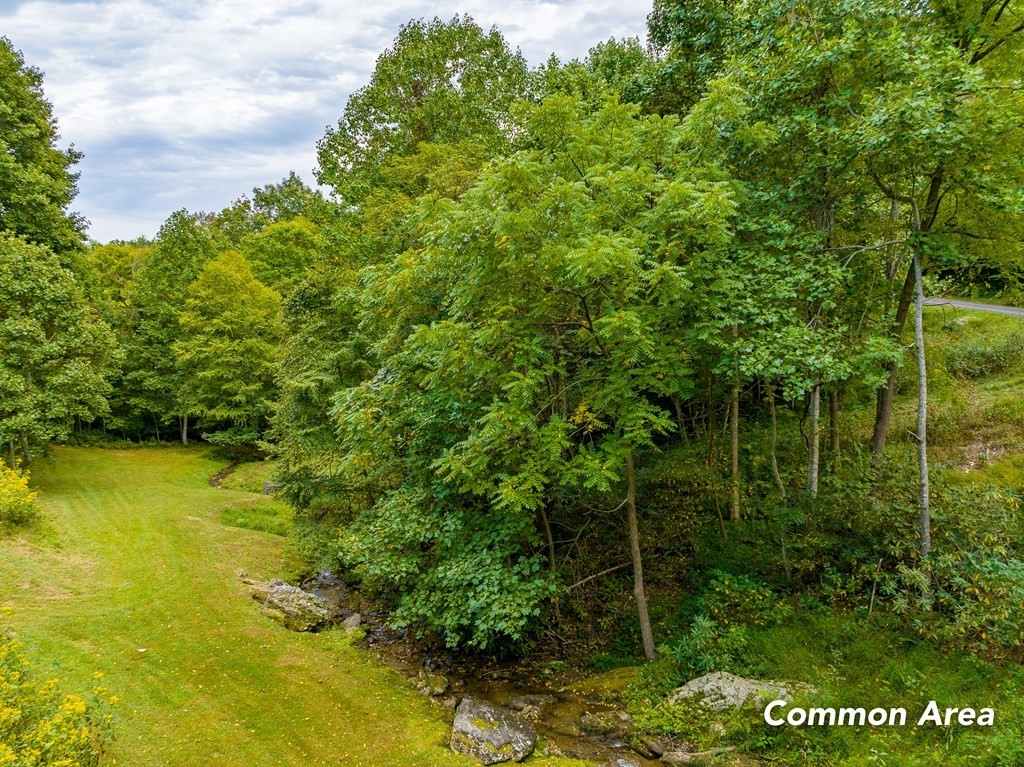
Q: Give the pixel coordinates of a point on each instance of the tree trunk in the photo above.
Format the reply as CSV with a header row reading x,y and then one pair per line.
x,y
922,414
922,225
25,457
885,396
734,472
638,566
156,423
11,458
546,524
833,427
814,441
184,429
680,420
711,420
773,452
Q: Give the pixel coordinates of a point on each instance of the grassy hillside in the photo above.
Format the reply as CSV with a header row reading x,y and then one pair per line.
x,y
136,579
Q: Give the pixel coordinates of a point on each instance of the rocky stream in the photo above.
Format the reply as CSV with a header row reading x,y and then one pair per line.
x,y
499,711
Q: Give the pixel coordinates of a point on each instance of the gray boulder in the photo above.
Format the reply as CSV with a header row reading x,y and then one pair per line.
x,y
294,608
722,691
490,733
261,591
615,723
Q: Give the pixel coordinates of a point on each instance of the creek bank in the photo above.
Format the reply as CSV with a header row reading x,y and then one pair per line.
x,y
494,706
218,479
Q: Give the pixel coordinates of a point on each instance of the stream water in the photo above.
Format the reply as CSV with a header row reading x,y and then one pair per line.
x,y
568,723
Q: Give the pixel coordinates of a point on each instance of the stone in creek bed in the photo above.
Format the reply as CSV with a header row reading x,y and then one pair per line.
x,y
520,702
432,685
490,733
294,608
646,746
615,723
620,760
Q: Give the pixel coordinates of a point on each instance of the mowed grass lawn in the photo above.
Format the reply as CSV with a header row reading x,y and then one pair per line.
x,y
136,579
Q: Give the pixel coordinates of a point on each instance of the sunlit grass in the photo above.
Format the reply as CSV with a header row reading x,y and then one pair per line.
x,y
137,579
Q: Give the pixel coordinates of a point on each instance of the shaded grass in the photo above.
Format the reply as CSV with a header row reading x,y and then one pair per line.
x,y
142,587
261,513
250,476
853,661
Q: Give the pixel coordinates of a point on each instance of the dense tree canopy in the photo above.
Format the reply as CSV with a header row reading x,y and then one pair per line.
x,y
231,324
622,305
441,82
55,350
37,183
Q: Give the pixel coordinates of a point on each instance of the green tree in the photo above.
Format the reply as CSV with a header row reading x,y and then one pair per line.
x,y
36,180
440,82
288,199
112,270
437,107
530,338
231,326
152,378
280,253
692,40
55,350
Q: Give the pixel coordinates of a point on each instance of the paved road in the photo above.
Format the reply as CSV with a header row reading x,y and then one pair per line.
x,y
1016,311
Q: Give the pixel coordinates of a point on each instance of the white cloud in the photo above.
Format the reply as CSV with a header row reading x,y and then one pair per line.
x,y
191,104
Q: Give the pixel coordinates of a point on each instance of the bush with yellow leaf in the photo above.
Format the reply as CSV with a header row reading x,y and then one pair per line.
x,y
17,501
39,725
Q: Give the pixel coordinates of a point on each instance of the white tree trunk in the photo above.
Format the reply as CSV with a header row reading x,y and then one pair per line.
x,y
813,459
922,414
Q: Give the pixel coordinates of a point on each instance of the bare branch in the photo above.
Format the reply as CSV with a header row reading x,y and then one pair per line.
x,y
589,578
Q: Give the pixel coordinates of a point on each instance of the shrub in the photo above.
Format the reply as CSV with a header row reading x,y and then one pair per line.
x,y
41,726
717,639
979,358
710,646
741,599
17,501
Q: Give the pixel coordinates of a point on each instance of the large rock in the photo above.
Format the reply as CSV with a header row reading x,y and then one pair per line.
x,y
294,608
722,691
491,734
612,723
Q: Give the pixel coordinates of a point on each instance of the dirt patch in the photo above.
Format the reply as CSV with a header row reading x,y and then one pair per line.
x,y
978,455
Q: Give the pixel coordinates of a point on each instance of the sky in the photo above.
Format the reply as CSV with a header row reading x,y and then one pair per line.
x,y
192,103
